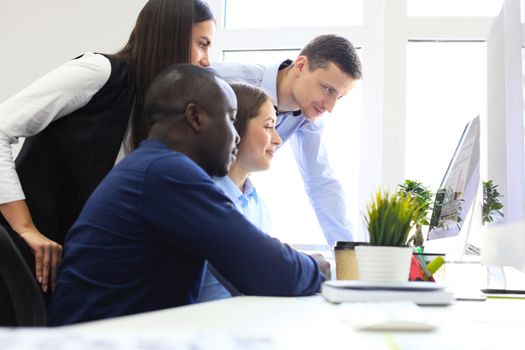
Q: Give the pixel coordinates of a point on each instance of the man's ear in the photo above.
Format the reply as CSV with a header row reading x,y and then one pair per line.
x,y
300,64
195,116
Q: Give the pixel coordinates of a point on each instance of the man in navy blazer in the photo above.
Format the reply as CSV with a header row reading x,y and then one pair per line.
x,y
142,238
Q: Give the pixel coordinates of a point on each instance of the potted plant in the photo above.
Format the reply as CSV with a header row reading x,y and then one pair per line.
x,y
422,197
448,210
491,213
389,220
491,208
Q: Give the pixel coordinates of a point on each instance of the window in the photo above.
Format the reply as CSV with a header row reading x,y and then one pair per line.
x,y
293,219
261,56
466,8
445,87
278,13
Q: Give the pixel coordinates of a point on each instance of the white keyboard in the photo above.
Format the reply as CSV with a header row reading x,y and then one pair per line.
x,y
386,316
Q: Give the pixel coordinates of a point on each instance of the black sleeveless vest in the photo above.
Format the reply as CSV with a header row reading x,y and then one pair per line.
x,y
61,166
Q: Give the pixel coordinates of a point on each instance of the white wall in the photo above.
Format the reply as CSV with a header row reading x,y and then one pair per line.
x,y
36,36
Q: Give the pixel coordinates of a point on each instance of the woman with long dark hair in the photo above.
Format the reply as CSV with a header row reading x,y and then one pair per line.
x,y
83,117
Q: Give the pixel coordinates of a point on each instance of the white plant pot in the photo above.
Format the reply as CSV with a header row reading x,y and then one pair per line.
x,y
383,264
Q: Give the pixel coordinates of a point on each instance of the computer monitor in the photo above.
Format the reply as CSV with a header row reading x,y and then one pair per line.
x,y
452,214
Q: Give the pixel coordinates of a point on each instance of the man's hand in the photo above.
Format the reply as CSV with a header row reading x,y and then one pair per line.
x,y
324,266
48,255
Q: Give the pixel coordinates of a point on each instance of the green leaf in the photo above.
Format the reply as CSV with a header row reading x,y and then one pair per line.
x,y
390,218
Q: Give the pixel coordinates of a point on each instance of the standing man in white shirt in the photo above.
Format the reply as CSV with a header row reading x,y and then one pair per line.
x,y
302,90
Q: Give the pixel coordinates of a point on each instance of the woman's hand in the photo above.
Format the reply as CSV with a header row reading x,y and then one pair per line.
x,y
48,255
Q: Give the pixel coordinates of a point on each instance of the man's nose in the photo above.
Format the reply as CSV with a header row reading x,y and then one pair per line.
x,y
330,104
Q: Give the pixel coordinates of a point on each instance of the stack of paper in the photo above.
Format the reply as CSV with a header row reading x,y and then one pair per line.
x,y
421,293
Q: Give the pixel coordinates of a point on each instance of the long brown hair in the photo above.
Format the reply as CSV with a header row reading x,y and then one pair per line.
x,y
161,37
249,101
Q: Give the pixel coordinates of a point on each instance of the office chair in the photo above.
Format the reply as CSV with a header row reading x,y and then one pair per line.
x,y
23,293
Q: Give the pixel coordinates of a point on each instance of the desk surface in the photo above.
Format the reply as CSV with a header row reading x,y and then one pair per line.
x,y
311,322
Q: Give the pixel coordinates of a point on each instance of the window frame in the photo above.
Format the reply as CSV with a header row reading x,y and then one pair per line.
x,y
384,35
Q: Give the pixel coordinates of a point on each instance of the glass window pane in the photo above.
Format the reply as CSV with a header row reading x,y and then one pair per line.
x,y
454,7
445,89
265,57
292,13
293,219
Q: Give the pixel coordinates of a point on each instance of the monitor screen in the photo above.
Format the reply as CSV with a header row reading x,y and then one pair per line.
x,y
459,186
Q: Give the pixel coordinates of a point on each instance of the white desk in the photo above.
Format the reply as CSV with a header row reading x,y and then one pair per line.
x,y
311,322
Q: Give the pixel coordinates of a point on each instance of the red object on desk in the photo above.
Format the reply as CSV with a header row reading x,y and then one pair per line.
x,y
417,273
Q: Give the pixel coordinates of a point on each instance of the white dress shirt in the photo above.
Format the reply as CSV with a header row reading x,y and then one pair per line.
x,y
58,93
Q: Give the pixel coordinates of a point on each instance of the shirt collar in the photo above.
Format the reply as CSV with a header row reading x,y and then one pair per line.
x,y
249,190
234,193
269,83
228,186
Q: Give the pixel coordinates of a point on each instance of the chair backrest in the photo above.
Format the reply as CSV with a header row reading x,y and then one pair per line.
x,y
25,295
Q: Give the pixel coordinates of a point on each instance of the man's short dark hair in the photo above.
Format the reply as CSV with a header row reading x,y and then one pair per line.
x,y
333,48
177,86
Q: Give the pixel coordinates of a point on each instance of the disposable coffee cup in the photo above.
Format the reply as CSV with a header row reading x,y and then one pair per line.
x,y
346,260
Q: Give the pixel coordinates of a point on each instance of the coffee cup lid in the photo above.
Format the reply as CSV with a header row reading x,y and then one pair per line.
x,y
348,244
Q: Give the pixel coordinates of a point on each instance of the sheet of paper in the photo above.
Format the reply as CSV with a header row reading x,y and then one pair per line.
x,y
63,339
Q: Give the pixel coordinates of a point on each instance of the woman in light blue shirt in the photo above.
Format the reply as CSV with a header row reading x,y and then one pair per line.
x,y
255,124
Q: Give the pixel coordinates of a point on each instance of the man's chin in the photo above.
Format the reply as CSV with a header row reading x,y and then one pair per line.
x,y
214,171
217,173
221,169
313,118
313,115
